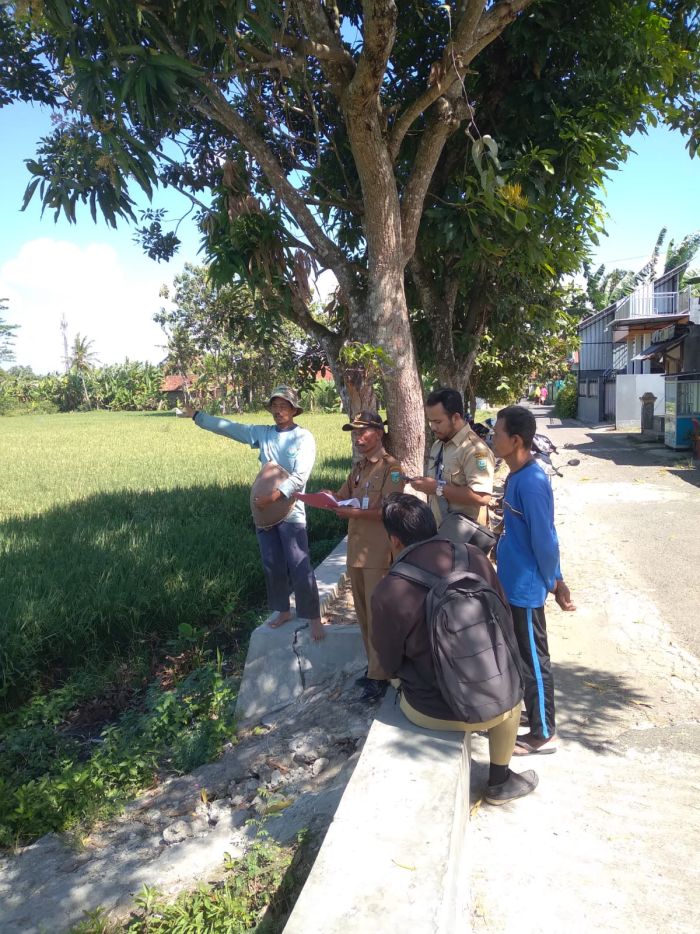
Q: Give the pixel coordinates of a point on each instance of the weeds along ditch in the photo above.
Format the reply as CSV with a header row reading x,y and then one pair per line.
x,y
129,584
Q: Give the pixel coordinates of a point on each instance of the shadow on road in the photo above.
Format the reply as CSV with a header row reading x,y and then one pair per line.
x,y
593,707
626,451
589,703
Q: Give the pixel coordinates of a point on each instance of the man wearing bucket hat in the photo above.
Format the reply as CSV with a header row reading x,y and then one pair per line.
x,y
369,551
284,546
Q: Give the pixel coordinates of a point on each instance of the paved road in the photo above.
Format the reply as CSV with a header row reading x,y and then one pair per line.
x,y
609,840
645,500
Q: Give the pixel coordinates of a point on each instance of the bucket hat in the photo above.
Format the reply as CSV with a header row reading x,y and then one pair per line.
x,y
288,394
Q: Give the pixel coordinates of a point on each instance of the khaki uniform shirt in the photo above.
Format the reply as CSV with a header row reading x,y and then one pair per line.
x,y
466,461
368,543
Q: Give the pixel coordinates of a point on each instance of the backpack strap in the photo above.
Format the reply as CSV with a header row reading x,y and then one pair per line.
x,y
411,572
414,574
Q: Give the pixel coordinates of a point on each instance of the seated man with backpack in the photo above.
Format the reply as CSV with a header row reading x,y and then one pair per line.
x,y
447,634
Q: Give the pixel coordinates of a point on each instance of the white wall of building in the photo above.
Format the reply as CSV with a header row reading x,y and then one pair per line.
x,y
628,389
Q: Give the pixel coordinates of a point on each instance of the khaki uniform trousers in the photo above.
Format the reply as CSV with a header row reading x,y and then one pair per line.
x,y
502,730
363,581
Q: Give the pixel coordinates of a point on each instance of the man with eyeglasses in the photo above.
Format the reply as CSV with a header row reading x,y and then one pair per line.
x,y
284,547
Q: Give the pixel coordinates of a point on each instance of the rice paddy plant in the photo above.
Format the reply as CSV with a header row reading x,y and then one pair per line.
x,y
118,528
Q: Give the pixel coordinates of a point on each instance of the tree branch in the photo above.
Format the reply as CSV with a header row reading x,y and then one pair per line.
x,y
338,73
319,50
218,108
379,35
445,118
496,19
474,32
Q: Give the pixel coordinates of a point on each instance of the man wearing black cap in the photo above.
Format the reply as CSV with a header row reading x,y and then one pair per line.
x,y
369,549
284,546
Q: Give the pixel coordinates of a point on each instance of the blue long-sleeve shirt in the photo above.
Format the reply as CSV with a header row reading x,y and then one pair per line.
x,y
528,550
294,449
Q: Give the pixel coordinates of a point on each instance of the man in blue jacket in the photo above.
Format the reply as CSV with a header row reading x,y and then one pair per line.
x,y
528,569
284,548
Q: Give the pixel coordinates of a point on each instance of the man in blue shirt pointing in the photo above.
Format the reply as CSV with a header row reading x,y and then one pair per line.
x,y
284,547
528,569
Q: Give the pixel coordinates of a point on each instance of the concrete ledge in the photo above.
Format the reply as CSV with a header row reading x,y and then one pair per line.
x,y
395,857
282,662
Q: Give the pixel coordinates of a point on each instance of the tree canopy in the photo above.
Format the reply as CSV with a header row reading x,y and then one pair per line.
x,y
6,335
233,350
443,160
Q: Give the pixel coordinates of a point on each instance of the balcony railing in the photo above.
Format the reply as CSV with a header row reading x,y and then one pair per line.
x,y
645,303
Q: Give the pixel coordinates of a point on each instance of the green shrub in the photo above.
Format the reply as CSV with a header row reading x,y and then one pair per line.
x,y
566,403
47,784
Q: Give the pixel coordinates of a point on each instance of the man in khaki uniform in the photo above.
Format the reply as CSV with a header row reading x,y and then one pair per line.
x,y
369,549
460,466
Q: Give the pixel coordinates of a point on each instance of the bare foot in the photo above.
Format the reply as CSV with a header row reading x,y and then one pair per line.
x,y
317,627
280,619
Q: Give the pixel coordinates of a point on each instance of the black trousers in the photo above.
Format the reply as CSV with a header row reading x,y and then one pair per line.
x,y
531,633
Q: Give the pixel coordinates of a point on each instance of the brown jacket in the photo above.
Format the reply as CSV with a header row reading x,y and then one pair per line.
x,y
400,634
368,543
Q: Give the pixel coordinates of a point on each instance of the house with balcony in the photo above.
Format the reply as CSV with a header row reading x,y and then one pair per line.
x,y
630,347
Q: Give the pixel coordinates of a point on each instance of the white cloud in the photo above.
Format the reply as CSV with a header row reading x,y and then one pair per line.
x,y
102,297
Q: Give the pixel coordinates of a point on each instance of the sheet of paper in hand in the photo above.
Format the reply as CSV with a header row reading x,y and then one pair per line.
x,y
266,482
326,501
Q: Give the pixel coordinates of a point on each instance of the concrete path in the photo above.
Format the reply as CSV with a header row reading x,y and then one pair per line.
x,y
610,840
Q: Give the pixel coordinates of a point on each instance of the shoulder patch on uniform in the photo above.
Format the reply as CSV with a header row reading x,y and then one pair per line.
x,y
481,463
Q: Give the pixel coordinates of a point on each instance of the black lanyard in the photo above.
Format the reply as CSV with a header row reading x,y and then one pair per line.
x,y
438,462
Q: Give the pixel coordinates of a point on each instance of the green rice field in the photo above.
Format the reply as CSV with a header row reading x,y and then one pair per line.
x,y
118,528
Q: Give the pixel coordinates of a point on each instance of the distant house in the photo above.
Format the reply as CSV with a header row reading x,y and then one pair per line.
x,y
175,388
629,348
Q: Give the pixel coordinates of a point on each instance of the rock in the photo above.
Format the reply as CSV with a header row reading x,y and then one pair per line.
x,y
276,778
219,809
310,745
319,765
176,832
244,790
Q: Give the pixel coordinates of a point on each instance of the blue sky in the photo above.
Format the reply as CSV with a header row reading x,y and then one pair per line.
x,y
108,290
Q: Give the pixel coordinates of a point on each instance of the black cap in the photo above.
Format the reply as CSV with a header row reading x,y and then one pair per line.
x,y
365,419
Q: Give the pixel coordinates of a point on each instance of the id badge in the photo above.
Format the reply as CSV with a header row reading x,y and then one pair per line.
x,y
365,502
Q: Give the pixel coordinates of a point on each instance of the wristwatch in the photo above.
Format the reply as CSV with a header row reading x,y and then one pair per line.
x,y
440,489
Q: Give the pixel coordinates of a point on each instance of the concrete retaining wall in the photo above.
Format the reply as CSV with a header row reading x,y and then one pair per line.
x,y
282,662
394,857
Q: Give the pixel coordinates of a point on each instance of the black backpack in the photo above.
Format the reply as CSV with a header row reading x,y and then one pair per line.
x,y
475,655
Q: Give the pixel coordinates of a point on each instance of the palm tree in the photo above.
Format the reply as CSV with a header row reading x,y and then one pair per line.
x,y
81,360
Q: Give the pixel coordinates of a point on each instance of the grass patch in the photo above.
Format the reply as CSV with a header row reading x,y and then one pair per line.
x,y
55,777
117,528
257,894
130,581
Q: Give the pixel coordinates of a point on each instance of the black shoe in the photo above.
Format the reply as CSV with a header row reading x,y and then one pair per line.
x,y
363,680
374,690
517,785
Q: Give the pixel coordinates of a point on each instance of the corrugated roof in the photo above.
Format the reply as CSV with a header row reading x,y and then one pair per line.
x,y
658,348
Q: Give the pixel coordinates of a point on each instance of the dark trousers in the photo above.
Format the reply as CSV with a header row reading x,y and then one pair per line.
x,y
284,550
531,633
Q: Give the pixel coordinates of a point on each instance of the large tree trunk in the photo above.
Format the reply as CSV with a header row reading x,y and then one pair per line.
x,y
383,319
